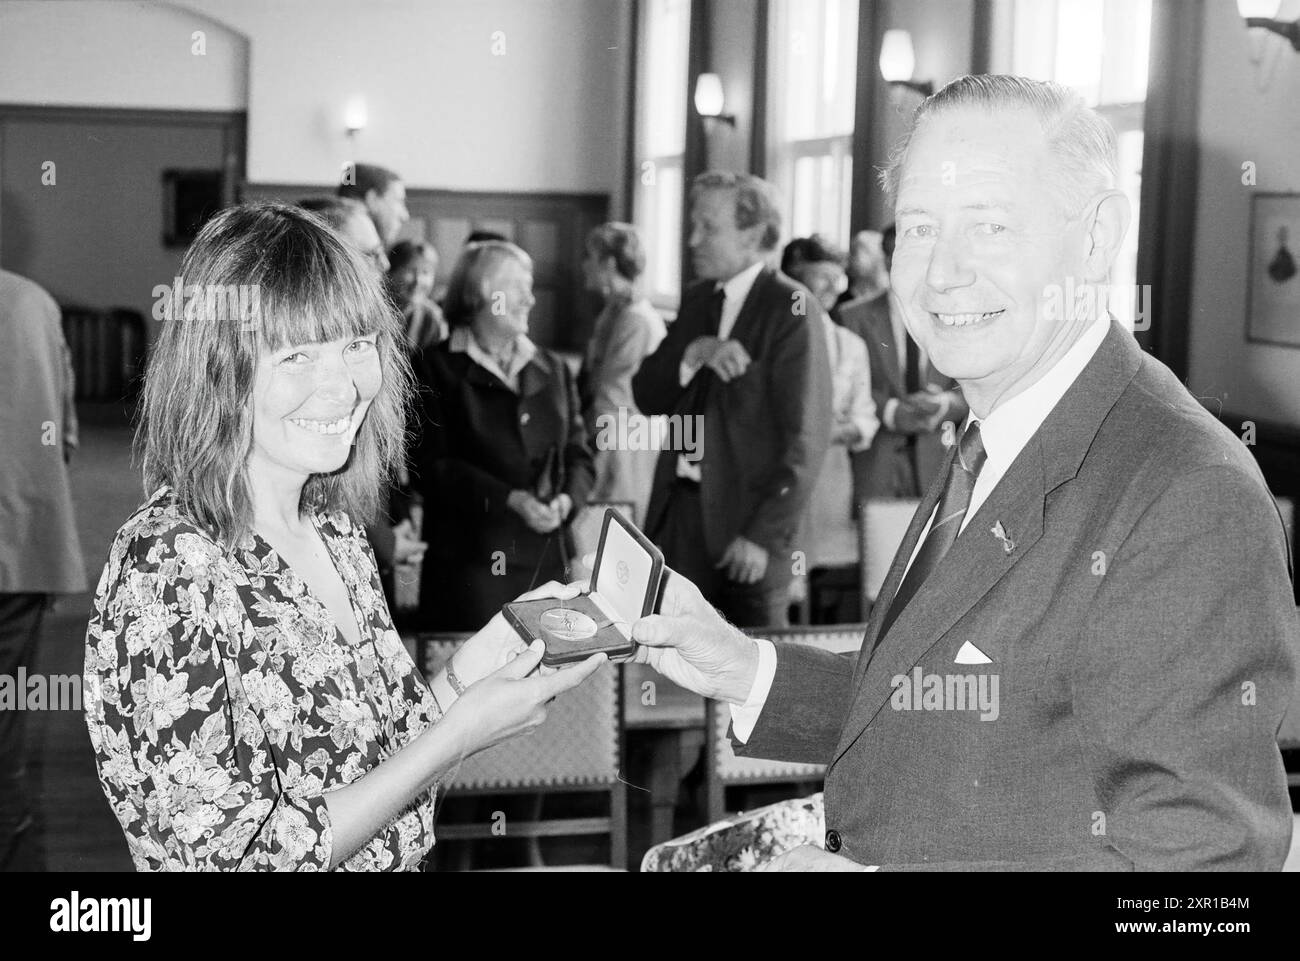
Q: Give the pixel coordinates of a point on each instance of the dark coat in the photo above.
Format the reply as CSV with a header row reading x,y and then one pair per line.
x,y
896,464
765,433
479,441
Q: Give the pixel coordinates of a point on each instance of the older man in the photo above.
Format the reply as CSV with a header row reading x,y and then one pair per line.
x,y
747,356
1086,643
383,195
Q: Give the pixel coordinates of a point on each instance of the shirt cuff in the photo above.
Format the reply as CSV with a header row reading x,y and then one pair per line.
x,y
891,405
744,717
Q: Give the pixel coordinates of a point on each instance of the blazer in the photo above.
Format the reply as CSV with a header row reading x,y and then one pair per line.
x,y
479,441
886,468
766,432
1143,634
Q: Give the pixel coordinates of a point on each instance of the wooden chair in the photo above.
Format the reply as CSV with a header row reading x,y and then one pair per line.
x,y
578,750
882,525
723,769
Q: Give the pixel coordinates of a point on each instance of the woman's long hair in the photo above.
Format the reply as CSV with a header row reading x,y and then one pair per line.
x,y
257,278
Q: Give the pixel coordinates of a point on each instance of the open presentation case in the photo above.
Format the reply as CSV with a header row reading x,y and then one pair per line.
x,y
625,586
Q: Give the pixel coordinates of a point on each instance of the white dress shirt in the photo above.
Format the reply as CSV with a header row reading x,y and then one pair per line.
x,y
1005,432
463,341
735,291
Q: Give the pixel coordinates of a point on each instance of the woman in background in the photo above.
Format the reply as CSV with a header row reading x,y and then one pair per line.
x,y
828,526
412,273
249,703
503,458
626,332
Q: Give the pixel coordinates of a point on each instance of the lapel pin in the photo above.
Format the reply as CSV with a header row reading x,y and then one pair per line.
x,y
998,531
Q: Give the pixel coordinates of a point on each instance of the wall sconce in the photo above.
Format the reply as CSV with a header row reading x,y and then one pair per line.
x,y
355,116
898,62
1262,15
709,100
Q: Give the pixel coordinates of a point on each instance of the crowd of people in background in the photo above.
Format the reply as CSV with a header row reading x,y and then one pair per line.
x,y
840,405
809,394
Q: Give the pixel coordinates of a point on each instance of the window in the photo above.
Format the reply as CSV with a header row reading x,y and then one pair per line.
x,y
812,57
1101,49
665,31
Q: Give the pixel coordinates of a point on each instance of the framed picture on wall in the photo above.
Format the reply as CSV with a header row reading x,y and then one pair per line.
x,y
1273,308
190,197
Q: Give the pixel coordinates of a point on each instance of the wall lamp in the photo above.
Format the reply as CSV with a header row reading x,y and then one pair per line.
x,y
898,63
1262,15
709,100
355,116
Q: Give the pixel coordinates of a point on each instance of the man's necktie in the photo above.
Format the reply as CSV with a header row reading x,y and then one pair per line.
x,y
687,468
714,322
912,373
948,517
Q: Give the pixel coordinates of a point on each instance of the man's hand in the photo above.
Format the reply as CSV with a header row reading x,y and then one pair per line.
x,y
700,351
729,361
806,857
918,413
691,644
540,518
744,561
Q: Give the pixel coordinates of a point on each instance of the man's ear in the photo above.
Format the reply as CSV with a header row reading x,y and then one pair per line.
x,y
1106,221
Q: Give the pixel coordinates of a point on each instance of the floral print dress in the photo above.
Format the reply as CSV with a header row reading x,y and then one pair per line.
x,y
223,702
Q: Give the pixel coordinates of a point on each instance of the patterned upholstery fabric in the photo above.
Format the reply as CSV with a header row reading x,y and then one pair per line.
x,y
742,842
578,744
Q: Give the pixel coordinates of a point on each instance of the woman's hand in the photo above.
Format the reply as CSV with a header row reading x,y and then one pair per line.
x,y
540,518
492,648
508,702
407,546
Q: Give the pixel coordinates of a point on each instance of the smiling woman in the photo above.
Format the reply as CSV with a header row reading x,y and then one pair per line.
x,y
248,700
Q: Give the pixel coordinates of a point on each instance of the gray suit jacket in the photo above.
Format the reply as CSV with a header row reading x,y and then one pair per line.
x,y
893,466
1143,636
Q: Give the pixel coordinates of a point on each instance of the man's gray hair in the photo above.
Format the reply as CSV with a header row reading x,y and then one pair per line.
x,y
1082,144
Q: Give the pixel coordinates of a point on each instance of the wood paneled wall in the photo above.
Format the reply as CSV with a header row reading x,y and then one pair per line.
x,y
552,228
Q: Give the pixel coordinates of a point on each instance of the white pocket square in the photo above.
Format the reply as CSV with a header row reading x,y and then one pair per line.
x,y
970,654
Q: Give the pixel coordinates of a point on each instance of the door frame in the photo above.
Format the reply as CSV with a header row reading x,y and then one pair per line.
x,y
233,125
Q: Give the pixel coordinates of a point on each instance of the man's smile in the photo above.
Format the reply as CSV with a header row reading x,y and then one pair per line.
x,y
966,319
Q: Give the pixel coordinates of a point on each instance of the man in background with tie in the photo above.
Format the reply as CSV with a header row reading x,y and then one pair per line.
x,y
1087,641
747,357
915,400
